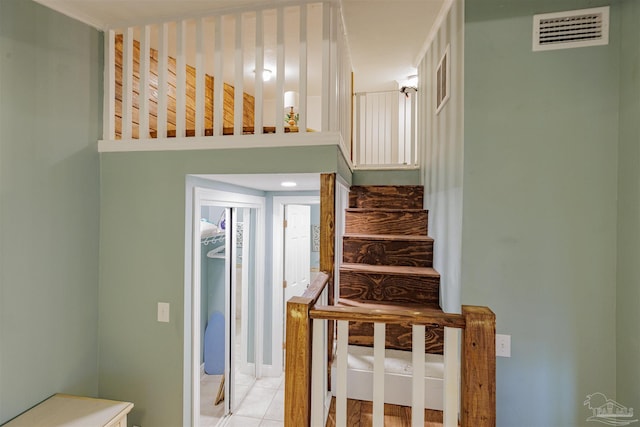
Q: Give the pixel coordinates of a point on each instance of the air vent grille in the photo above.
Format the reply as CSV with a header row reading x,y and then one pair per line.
x,y
578,28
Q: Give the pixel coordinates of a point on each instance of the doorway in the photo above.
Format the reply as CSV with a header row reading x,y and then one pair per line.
x,y
228,265
293,248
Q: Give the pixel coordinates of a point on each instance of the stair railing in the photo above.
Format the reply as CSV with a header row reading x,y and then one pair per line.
x,y
469,383
188,79
299,333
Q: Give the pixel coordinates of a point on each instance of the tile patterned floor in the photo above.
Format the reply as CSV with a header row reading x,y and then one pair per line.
x,y
210,414
263,405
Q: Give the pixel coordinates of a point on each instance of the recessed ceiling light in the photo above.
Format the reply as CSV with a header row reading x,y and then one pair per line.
x,y
288,184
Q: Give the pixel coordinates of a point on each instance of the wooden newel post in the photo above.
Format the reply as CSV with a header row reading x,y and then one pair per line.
x,y
297,387
478,367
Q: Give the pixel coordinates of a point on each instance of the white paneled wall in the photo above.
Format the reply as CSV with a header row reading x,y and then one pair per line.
x,y
385,130
441,138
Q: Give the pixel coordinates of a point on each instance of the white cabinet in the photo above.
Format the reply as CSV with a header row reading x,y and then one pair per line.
x,y
62,410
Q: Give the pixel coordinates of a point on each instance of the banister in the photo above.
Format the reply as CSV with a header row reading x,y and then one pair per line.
x,y
315,288
478,369
297,389
394,314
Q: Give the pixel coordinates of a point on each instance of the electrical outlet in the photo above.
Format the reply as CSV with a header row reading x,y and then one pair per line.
x,y
163,312
503,345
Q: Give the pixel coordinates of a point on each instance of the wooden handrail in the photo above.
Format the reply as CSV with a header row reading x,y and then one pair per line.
x,y
389,314
297,387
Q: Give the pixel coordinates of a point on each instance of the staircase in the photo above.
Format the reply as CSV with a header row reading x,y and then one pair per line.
x,y
388,259
387,279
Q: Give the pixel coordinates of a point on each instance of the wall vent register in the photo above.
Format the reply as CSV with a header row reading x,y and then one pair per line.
x,y
576,28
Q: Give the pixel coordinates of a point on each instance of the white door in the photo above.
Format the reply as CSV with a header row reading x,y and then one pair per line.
x,y
297,250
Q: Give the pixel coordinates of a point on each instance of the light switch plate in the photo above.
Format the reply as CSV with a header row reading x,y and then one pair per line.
x,y
163,312
503,345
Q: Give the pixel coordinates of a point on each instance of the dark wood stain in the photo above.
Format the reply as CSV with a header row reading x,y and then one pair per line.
x,y
398,337
372,287
386,221
360,414
389,196
387,259
369,249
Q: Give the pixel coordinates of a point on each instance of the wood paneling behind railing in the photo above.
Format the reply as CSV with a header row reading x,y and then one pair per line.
x,y
229,95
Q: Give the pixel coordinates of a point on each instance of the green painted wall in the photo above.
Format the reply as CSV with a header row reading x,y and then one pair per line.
x,y
628,292
539,208
142,244
382,177
50,116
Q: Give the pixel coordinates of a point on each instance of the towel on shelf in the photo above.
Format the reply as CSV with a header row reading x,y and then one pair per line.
x,y
208,229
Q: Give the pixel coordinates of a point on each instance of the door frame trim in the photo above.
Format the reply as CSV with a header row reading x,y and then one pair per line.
x,y
278,311
203,196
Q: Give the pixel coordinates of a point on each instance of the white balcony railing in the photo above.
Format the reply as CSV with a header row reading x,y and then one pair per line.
x,y
201,78
384,130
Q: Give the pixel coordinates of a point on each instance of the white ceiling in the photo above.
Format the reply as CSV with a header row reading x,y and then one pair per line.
x,y
270,182
385,36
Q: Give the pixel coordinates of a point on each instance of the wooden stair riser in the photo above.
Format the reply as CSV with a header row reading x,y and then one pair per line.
x,y
397,337
387,196
386,222
373,251
380,288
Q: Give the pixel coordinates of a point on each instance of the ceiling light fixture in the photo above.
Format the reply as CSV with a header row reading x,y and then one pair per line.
x,y
266,74
288,184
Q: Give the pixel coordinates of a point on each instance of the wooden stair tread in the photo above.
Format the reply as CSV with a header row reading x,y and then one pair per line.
x,y
383,210
405,237
390,270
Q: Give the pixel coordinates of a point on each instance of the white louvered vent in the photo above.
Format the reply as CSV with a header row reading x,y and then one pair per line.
x,y
576,28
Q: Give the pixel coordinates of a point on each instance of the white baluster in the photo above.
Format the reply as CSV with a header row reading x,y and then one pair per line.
x,y
218,86
200,78
302,99
145,63
326,65
259,101
417,395
341,373
109,113
181,79
127,83
280,68
451,389
318,373
163,73
378,374
238,100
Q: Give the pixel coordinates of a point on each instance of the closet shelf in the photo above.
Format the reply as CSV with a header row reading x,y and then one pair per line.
x,y
215,239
